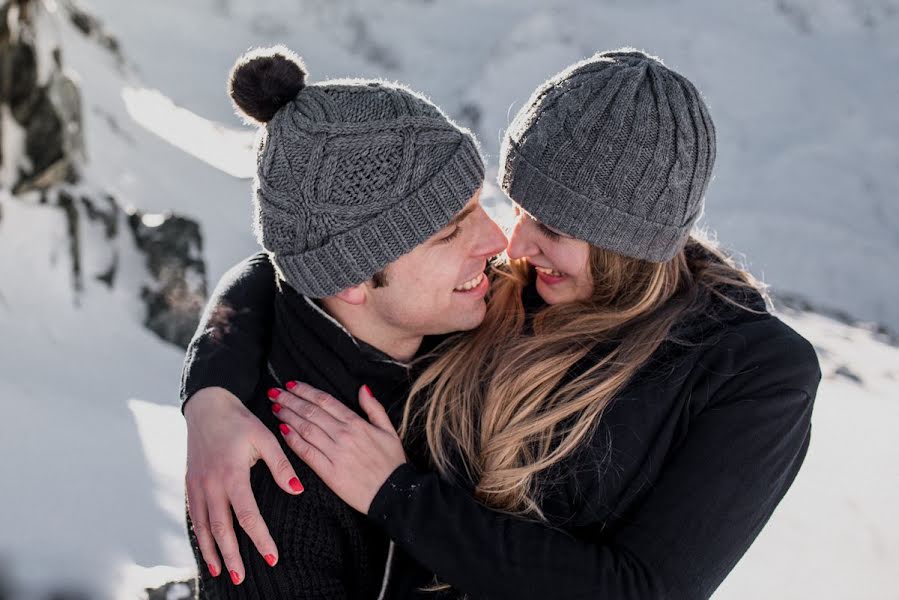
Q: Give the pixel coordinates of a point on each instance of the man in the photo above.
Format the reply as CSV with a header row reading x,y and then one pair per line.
x,y
367,202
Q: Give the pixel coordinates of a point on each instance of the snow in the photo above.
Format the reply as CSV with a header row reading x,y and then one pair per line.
x,y
806,187
92,437
835,534
229,150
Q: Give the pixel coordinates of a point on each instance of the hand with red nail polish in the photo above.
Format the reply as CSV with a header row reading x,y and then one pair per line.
x,y
224,440
354,457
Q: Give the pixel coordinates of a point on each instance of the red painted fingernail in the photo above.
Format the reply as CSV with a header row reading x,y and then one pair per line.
x,y
291,384
235,578
270,559
212,570
284,428
295,484
276,407
368,390
274,393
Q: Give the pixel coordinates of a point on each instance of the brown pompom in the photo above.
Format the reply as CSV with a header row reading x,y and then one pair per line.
x,y
265,79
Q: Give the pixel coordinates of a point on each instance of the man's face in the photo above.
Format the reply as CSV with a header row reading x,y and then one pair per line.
x,y
439,287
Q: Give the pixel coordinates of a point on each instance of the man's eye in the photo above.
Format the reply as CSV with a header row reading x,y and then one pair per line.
x,y
549,233
448,238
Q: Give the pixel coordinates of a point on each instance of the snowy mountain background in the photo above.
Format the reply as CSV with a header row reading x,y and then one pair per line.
x,y
806,188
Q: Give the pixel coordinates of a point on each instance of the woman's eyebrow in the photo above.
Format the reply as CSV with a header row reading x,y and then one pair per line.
x,y
552,229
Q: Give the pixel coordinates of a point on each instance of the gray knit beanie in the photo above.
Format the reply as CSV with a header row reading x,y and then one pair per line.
x,y
616,150
351,174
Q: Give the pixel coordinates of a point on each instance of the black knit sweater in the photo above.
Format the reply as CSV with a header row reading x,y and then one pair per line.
x,y
685,469
327,549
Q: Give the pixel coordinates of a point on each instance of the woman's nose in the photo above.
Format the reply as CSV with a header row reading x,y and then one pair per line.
x,y
521,244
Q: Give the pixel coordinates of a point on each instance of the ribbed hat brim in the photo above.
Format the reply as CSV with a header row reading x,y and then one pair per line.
x,y
592,219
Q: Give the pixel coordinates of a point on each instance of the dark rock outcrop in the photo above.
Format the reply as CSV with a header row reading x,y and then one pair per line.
x,y
92,27
173,246
175,590
49,171
36,106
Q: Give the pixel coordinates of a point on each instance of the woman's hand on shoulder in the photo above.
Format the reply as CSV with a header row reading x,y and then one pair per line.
x,y
353,456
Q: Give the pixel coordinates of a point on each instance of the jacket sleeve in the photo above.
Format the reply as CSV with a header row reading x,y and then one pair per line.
x,y
716,491
490,555
229,346
740,456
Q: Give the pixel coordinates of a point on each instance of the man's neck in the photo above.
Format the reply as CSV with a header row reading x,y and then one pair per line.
x,y
372,330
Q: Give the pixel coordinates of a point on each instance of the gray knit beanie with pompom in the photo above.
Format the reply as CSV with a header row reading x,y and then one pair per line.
x,y
616,150
351,174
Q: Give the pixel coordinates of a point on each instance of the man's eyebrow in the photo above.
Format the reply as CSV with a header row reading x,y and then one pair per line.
x,y
461,216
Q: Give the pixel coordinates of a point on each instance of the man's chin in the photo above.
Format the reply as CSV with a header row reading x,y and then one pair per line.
x,y
473,318
465,319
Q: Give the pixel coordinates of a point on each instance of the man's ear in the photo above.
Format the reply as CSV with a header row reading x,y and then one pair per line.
x,y
352,295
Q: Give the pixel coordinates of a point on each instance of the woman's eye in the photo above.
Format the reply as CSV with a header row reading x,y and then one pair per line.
x,y
447,239
549,233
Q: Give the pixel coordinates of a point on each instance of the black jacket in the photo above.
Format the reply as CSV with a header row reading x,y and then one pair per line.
x,y
685,469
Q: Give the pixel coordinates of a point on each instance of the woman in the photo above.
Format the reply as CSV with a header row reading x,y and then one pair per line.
x,y
629,414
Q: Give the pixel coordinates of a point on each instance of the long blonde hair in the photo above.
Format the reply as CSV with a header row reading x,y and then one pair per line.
x,y
501,405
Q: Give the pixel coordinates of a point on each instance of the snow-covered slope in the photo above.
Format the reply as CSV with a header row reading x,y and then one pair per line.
x,y
92,441
137,149
91,435
801,91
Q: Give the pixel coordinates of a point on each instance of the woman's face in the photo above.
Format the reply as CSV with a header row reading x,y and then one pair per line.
x,y
562,262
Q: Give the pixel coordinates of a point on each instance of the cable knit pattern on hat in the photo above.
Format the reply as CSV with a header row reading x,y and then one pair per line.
x,y
351,175
616,150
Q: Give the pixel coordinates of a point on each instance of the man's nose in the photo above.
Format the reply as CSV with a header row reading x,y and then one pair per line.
x,y
492,240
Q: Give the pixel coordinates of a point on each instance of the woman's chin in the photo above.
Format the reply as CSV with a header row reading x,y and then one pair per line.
x,y
562,292
550,293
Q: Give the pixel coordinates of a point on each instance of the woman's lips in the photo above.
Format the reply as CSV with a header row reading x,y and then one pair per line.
x,y
548,276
